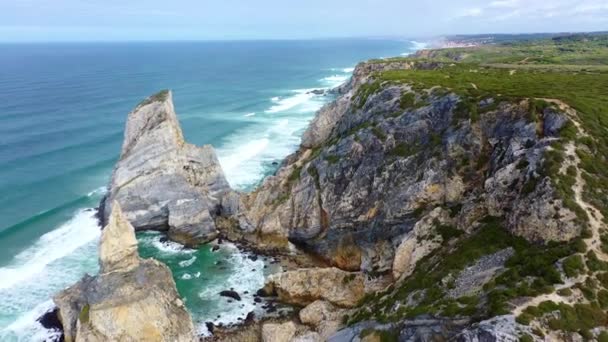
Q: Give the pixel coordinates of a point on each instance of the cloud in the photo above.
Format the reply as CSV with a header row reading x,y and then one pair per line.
x,y
504,4
591,8
471,12
505,10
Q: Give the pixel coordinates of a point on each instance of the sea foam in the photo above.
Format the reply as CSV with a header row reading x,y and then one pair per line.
x,y
56,260
248,154
282,104
246,275
54,245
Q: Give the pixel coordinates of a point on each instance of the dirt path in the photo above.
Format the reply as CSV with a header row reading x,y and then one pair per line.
x,y
596,223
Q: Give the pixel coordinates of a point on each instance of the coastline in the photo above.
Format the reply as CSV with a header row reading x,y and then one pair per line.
x,y
290,261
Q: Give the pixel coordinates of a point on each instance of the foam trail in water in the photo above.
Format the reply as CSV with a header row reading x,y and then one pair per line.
x,y
335,80
167,247
247,155
26,327
246,276
301,96
58,259
54,245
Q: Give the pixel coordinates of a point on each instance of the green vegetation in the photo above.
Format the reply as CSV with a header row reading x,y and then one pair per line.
x,y
161,96
407,100
84,314
295,175
579,317
573,265
365,91
526,338
331,159
604,239
529,272
348,278
383,335
379,133
545,75
404,150
587,92
447,232
594,264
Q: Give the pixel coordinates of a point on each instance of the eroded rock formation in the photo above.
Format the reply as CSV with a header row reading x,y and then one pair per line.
x,y
373,163
304,286
132,299
164,183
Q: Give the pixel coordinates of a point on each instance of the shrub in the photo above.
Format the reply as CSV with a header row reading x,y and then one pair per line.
x,y
573,266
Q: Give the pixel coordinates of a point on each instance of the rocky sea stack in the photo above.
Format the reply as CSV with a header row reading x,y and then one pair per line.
x,y
162,182
131,299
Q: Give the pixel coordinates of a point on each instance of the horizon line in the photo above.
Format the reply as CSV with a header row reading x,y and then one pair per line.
x,y
244,39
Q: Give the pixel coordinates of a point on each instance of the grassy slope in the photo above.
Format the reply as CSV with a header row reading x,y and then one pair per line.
x,y
573,70
555,69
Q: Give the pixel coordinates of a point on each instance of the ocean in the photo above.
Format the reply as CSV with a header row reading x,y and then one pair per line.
x,y
62,114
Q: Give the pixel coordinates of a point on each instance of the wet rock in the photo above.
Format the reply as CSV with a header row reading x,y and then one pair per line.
x,y
50,320
231,294
210,327
250,317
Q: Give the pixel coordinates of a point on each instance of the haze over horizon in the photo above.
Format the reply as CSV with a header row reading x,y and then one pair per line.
x,y
114,20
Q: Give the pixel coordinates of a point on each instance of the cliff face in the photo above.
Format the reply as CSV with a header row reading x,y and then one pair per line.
x,y
465,200
164,183
130,300
383,156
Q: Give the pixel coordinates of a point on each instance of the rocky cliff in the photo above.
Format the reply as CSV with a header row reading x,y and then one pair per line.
x,y
381,157
164,183
466,200
450,200
130,300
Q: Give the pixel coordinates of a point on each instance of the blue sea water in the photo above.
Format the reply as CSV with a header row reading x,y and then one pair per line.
x,y
62,114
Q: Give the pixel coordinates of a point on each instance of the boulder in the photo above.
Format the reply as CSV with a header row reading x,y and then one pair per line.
x,y
304,286
231,294
324,317
132,299
309,336
164,183
278,332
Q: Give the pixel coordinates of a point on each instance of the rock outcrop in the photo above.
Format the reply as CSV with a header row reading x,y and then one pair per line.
x,y
382,156
132,299
419,242
304,286
164,183
278,332
324,317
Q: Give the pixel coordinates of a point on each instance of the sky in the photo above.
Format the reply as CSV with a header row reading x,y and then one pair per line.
x,y
129,20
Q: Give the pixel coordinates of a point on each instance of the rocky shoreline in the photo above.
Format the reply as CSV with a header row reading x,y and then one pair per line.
x,y
389,176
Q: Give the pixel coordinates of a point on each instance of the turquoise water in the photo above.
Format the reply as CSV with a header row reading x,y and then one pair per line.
x,y
62,112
